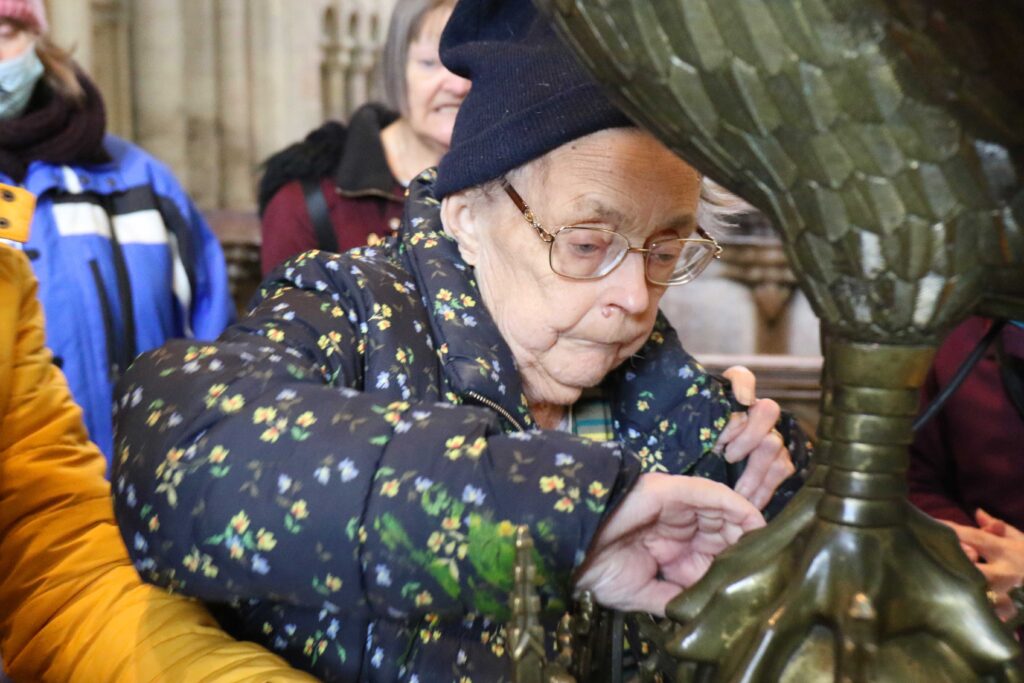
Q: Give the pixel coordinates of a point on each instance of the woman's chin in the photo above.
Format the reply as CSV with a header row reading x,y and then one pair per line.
x,y
568,382
593,361
559,378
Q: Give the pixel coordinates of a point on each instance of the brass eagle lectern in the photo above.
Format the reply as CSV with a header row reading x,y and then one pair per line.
x,y
885,138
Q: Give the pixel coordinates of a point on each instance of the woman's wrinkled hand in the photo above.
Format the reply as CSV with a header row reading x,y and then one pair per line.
x,y
752,436
661,539
997,550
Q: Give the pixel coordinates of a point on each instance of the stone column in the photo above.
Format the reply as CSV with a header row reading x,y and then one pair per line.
x,y
234,108
368,32
271,89
158,54
71,27
201,104
305,35
110,64
334,66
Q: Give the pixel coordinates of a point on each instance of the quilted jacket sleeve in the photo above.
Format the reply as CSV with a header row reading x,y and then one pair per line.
x,y
72,608
251,468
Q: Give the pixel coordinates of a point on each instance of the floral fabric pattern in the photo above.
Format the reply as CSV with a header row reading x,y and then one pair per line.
x,y
343,470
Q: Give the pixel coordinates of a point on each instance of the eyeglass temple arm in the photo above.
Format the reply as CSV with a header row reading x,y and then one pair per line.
x,y
548,237
708,236
526,211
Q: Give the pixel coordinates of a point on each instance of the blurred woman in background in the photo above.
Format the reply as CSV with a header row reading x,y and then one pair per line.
x,y
123,258
343,187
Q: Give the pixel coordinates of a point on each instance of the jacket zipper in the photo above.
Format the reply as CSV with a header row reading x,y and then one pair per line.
x,y
497,408
124,287
108,320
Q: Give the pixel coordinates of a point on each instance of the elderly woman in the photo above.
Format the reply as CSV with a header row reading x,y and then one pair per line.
x,y
345,468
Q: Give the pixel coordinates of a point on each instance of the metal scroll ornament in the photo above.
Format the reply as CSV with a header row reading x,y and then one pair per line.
x,y
885,138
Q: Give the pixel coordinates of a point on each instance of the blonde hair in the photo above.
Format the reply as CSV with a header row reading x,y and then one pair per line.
x,y
407,20
60,69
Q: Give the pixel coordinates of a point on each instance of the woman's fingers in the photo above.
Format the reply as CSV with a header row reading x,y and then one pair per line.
x,y
649,564
779,468
996,526
752,436
674,500
744,384
997,550
762,417
990,523
744,389
986,544
970,552
737,423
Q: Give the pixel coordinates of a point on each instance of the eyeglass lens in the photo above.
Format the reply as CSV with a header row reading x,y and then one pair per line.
x,y
586,253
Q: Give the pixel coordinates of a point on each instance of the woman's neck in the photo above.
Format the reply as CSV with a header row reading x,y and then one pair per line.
x,y
548,415
408,153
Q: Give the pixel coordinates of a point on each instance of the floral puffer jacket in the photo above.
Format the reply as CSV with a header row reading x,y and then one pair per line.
x,y
343,470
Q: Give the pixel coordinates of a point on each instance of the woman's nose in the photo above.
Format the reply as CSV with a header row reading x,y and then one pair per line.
x,y
629,289
456,85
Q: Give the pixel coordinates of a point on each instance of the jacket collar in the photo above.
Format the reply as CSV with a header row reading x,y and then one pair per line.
x,y
43,177
477,362
638,387
363,168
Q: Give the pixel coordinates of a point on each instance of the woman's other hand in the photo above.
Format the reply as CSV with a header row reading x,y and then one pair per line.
x,y
752,435
661,539
997,550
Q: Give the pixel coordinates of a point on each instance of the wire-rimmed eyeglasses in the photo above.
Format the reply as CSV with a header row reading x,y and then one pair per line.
x,y
583,252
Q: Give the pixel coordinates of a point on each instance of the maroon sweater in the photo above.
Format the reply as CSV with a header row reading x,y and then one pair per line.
x,y
971,454
363,198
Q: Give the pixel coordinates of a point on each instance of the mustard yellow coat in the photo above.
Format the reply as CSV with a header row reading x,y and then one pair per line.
x,y
72,607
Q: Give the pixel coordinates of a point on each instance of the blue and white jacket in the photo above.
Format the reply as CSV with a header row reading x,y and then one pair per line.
x,y
125,261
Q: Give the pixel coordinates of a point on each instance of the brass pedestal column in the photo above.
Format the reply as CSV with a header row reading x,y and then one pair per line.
x,y
851,583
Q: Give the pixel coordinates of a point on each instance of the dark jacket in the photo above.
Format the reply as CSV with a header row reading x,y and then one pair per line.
x,y
348,463
363,198
971,455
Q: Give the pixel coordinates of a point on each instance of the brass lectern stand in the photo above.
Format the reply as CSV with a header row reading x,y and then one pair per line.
x,y
885,138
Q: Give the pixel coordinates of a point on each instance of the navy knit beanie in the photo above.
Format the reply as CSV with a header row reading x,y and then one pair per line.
x,y
529,93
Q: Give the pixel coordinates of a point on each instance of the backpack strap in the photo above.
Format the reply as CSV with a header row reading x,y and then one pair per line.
x,y
1011,369
933,408
316,206
315,157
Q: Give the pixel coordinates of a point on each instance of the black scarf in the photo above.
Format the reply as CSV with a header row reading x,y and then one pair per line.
x,y
54,130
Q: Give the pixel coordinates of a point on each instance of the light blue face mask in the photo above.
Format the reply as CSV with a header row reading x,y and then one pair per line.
x,y
18,78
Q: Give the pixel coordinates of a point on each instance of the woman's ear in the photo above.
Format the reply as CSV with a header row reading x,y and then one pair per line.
x,y
460,216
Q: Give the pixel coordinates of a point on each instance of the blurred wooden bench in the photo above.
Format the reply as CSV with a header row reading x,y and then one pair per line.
x,y
793,381
239,236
